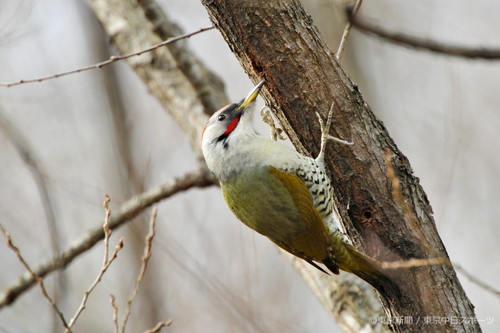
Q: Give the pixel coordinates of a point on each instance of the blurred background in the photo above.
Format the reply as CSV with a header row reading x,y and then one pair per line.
x,y
101,132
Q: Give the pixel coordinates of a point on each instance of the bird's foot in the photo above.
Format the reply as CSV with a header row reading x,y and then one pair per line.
x,y
325,136
276,132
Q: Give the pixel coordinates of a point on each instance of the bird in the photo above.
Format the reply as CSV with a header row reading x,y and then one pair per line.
x,y
282,194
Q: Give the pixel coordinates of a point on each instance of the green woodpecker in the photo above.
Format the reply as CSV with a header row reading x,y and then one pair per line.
x,y
282,194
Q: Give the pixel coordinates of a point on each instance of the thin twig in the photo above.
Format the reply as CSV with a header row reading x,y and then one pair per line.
x,y
424,44
111,60
347,31
128,210
87,293
105,228
472,278
415,263
159,326
35,277
115,312
144,265
105,264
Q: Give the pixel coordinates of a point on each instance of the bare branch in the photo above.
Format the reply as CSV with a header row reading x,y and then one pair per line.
x,y
347,31
111,60
34,276
144,265
115,313
424,44
128,210
105,264
87,293
159,326
414,262
107,231
472,278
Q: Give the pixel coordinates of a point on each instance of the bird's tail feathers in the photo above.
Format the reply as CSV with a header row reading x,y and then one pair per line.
x,y
369,270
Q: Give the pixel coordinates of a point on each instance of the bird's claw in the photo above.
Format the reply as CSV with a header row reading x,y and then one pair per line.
x,y
325,129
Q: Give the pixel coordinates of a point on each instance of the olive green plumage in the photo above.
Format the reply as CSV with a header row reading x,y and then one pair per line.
x,y
278,206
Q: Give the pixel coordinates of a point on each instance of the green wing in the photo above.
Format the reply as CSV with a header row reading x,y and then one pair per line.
x,y
279,206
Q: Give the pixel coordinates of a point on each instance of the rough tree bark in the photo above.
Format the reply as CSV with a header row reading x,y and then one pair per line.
x,y
382,204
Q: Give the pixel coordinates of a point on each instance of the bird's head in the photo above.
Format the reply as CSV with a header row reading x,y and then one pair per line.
x,y
228,128
231,121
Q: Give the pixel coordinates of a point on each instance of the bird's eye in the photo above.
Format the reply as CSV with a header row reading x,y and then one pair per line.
x,y
221,117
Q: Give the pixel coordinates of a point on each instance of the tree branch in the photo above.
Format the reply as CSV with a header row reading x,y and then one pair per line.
x,y
144,265
107,62
278,41
472,278
33,275
424,44
106,262
347,31
159,326
128,210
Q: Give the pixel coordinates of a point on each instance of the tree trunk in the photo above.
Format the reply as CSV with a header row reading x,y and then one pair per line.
x,y
384,208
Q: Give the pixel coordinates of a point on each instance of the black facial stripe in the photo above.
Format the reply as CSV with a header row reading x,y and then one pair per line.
x,y
223,137
224,140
